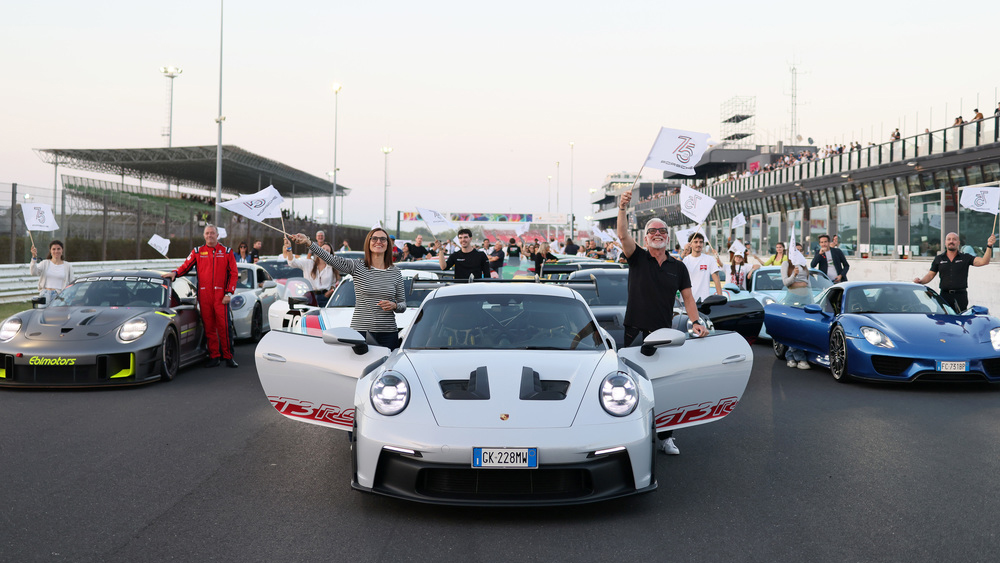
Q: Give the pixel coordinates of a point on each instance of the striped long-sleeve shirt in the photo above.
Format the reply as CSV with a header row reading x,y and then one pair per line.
x,y
371,285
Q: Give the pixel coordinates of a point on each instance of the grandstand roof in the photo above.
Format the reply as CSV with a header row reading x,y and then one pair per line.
x,y
242,171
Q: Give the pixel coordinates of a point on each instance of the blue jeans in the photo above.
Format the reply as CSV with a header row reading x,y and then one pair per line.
x,y
795,354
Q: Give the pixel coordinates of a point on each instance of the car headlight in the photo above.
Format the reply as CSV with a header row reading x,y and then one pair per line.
x,y
619,394
876,338
132,329
9,329
768,300
994,336
237,301
390,393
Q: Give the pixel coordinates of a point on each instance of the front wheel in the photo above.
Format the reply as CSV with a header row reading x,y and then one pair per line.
x,y
779,349
256,325
169,357
838,355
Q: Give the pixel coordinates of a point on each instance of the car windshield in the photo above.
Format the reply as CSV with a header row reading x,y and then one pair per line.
x,y
893,299
611,291
114,291
245,279
770,280
279,269
344,295
504,322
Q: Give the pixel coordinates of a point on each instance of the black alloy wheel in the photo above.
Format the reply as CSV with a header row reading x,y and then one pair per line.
x,y
257,325
838,355
170,357
779,349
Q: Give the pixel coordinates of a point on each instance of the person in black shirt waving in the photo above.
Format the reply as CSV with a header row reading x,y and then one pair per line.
x,y
467,261
954,269
654,278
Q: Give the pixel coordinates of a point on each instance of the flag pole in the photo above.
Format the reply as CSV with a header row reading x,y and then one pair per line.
x,y
637,176
31,237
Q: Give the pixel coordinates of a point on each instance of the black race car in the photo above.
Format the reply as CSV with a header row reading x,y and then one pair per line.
x,y
107,328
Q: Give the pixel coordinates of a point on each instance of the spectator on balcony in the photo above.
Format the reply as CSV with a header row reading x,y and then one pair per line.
x,y
979,115
958,121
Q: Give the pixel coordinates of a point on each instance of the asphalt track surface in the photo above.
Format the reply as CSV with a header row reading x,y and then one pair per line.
x,y
203,469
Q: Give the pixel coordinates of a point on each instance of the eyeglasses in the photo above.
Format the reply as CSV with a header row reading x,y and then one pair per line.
x,y
380,239
656,230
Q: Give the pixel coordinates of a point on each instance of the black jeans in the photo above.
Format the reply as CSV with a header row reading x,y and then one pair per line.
x,y
388,339
957,298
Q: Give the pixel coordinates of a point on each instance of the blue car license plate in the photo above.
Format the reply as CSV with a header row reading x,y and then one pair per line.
x,y
505,458
953,366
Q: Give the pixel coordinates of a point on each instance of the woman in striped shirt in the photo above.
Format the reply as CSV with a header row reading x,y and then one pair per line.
x,y
378,286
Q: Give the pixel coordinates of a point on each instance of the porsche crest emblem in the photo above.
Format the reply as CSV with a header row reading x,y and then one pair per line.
x,y
504,416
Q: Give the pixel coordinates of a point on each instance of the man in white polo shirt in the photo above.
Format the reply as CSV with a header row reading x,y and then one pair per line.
x,y
702,268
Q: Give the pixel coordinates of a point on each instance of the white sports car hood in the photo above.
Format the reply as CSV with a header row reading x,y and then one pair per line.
x,y
506,388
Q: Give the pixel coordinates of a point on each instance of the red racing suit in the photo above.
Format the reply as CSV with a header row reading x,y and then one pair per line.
x,y
217,275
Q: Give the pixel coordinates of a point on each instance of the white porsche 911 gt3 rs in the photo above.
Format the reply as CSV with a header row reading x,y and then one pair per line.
x,y
504,394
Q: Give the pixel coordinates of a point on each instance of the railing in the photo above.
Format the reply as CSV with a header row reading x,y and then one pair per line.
x,y
17,283
972,134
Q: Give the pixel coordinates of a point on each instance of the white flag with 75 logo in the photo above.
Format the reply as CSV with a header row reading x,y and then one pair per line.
x,y
677,151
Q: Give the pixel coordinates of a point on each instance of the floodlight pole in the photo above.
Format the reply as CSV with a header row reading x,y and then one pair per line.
x,y
333,198
219,120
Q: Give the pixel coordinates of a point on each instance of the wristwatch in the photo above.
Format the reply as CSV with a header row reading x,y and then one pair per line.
x,y
696,322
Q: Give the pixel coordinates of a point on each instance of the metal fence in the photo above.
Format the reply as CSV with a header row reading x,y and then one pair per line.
x,y
103,220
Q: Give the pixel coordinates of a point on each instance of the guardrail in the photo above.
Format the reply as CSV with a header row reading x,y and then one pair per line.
x,y
17,283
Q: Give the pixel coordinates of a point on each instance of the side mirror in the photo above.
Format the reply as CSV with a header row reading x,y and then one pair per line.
x,y
269,284
37,302
980,310
343,335
712,301
662,338
192,301
813,309
293,301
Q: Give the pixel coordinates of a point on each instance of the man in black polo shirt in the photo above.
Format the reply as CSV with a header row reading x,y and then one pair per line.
x,y
954,269
467,261
417,249
654,278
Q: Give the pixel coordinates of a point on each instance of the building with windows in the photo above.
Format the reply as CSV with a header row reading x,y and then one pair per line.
x,y
892,201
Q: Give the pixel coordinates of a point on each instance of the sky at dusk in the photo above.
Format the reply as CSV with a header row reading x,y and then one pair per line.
x,y
478,101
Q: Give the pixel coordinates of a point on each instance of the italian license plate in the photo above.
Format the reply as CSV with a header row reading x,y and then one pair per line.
x,y
505,458
953,366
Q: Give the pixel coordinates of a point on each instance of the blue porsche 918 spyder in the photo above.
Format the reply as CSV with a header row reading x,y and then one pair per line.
x,y
889,331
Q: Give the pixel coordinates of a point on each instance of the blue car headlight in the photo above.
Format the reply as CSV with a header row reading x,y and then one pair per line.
x,y
619,394
994,338
237,301
390,393
875,337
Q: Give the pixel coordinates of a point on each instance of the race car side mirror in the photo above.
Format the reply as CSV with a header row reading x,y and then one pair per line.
x,y
980,310
343,335
37,302
662,338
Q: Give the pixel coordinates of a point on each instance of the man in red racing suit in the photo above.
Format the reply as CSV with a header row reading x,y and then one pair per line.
x,y
217,275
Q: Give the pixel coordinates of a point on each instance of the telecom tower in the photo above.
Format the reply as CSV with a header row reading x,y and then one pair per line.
x,y
738,116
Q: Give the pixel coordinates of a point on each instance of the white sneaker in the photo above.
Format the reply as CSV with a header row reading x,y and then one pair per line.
x,y
669,447
792,363
803,365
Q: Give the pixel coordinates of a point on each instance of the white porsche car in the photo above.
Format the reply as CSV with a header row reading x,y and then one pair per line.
x,y
503,394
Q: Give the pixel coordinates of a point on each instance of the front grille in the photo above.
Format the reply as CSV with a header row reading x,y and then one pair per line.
x,y
508,482
992,366
891,365
951,376
593,479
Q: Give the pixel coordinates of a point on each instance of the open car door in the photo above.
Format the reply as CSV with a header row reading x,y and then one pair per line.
x,y
310,380
699,381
